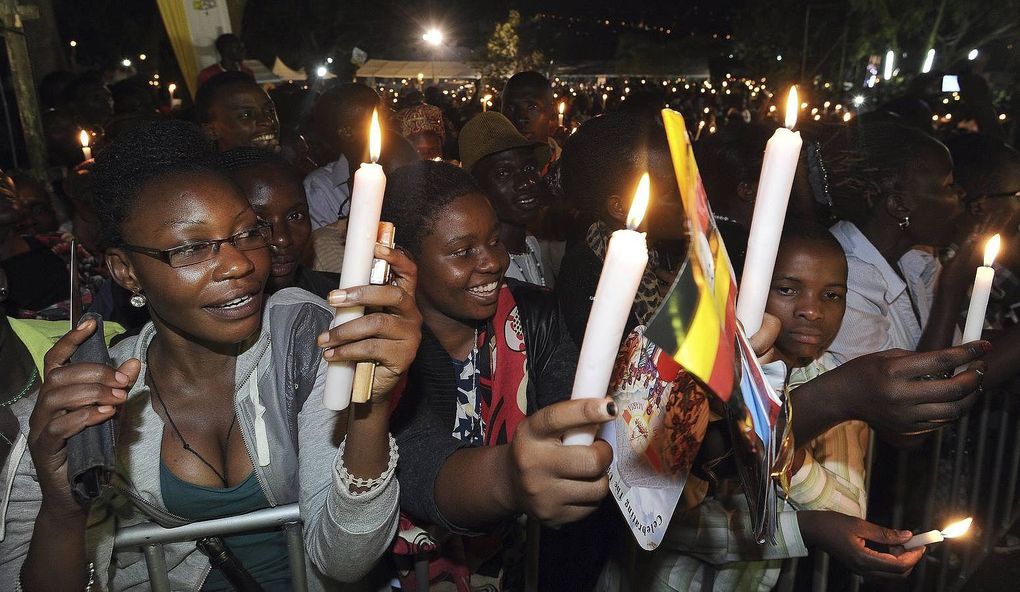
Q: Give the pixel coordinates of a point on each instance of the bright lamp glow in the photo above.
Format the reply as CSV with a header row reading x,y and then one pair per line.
x,y
890,58
858,100
126,63
321,71
929,61
972,55
433,36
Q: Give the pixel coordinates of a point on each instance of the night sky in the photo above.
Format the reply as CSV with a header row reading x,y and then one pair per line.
x,y
311,29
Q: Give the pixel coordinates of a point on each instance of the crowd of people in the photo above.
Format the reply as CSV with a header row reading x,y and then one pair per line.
x,y
211,242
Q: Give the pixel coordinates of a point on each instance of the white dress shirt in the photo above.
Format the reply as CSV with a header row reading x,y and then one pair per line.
x,y
883,309
329,197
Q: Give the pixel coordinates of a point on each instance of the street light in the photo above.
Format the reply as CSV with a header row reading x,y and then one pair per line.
x,y
433,37
321,71
972,55
929,61
126,63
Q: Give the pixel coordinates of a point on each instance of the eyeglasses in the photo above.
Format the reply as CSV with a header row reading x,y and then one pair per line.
x,y
199,252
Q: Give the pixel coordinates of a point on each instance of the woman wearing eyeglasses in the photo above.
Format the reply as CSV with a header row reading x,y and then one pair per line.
x,y
215,396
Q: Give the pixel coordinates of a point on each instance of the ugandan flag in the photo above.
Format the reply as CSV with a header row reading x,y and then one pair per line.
x,y
697,321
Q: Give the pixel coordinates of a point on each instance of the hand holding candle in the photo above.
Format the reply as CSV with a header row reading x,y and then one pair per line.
x,y
626,258
777,171
954,530
362,231
979,295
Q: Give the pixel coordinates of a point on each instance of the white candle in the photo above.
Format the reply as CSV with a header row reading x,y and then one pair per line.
x,y
562,108
626,258
362,231
86,150
777,171
925,538
979,295
956,529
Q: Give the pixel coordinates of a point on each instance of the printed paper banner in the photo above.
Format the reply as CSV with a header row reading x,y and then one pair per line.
x,y
663,415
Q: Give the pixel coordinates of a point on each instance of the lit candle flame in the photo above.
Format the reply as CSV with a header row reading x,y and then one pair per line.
x,y
957,529
991,250
640,203
375,138
563,107
84,138
791,108
171,87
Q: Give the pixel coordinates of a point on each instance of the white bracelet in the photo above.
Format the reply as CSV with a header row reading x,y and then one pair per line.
x,y
367,485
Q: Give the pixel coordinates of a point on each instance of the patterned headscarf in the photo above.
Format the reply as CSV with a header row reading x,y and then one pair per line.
x,y
421,118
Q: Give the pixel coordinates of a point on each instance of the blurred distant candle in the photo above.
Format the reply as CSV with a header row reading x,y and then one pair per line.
x,y
626,258
954,530
777,171
85,140
174,102
362,232
979,295
562,109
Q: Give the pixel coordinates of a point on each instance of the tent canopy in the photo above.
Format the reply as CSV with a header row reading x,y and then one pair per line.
x,y
411,69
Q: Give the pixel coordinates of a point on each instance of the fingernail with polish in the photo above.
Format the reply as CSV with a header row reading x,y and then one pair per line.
x,y
611,408
337,297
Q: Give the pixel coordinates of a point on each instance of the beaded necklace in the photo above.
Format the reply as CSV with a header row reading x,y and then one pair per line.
x,y
24,390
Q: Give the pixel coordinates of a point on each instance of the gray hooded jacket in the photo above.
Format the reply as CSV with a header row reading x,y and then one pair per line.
x,y
344,534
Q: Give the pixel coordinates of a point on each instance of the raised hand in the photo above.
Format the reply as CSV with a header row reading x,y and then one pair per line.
x,y
72,398
551,481
846,537
896,391
390,331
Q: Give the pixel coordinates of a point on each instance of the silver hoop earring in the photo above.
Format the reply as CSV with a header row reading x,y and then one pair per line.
x,y
904,223
137,300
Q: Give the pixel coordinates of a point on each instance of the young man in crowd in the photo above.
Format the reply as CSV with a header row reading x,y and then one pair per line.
x,y
507,166
527,101
231,50
338,136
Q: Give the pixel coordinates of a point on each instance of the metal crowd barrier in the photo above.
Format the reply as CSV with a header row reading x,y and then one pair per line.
x,y
983,462
151,538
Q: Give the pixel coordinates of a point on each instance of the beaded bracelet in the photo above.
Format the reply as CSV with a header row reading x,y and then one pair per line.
x,y
367,484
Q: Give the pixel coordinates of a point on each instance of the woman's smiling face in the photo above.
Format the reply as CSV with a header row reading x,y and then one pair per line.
x,y
461,260
215,301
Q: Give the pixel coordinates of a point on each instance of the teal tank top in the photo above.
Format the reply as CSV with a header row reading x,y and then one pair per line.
x,y
263,553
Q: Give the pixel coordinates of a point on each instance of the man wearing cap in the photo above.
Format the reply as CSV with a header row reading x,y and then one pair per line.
x,y
508,167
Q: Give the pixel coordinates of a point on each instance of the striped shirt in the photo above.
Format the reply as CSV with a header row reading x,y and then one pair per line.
x,y
832,475
883,310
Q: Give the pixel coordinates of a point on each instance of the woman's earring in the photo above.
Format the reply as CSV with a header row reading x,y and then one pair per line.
x,y
137,300
904,223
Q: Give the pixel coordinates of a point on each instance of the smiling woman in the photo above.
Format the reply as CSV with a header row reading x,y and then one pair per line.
x,y
495,364
217,366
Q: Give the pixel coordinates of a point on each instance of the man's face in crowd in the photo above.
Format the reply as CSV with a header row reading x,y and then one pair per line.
x,y
511,181
530,112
